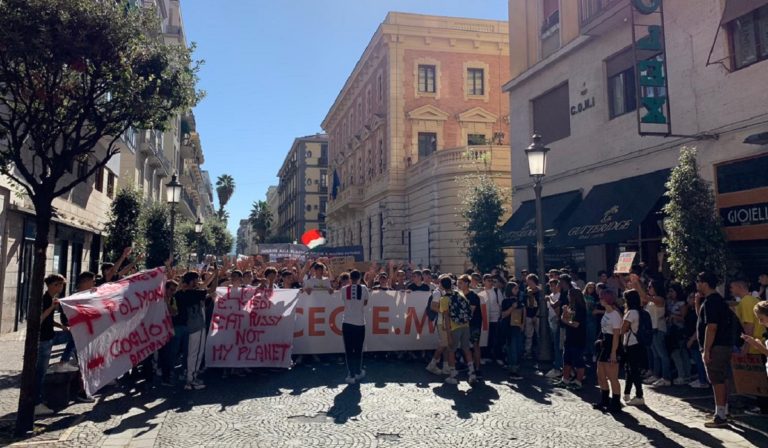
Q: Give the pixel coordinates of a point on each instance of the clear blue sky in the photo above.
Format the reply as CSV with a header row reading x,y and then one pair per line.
x,y
273,69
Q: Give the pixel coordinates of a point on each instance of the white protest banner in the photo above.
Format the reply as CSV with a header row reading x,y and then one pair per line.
x,y
117,325
395,320
251,328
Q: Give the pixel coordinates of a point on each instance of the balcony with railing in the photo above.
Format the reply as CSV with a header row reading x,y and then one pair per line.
x,y
458,161
188,202
599,16
347,199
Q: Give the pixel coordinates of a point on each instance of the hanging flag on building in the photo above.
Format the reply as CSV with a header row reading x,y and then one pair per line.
x,y
312,238
335,186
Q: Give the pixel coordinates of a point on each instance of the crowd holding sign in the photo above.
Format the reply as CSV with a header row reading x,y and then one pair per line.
x,y
117,325
251,328
397,321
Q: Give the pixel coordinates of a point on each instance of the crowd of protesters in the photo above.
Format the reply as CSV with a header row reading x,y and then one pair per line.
x,y
655,332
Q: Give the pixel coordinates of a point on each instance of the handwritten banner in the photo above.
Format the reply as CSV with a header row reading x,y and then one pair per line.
x,y
395,320
117,325
624,265
251,328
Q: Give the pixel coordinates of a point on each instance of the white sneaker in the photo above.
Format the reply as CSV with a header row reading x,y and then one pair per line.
x,y
637,401
500,362
63,367
679,382
661,383
445,370
554,373
650,380
432,368
699,385
42,409
350,380
451,380
472,378
627,398
360,375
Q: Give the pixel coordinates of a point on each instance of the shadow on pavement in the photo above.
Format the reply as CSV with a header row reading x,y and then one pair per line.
x,y
346,404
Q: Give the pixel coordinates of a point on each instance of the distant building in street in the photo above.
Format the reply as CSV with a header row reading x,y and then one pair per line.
x,y
422,107
303,188
245,236
575,79
273,204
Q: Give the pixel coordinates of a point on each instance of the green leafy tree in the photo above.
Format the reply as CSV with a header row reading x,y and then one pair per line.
x,y
694,236
260,220
74,76
215,239
225,188
123,225
156,230
481,208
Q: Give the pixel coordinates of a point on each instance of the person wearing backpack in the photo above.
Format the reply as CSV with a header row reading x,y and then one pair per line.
x,y
715,342
635,351
457,313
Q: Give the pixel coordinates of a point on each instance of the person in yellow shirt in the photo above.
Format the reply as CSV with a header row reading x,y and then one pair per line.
x,y
745,311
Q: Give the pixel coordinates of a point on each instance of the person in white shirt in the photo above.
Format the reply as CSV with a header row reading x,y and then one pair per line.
x,y
492,297
656,304
355,298
608,355
318,280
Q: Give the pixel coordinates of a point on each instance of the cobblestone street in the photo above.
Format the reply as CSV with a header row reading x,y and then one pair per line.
x,y
399,404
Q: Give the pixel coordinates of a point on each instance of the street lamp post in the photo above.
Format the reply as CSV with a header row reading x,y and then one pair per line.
x,y
537,168
198,233
173,196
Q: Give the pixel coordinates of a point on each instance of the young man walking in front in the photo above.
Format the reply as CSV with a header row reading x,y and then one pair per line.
x,y
355,297
457,313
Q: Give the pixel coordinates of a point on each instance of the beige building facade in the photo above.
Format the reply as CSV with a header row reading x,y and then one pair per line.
x,y
422,107
575,78
303,188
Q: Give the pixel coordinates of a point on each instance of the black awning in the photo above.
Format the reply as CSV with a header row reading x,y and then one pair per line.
x,y
520,228
612,212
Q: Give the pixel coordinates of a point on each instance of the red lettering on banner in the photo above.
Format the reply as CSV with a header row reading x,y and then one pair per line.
x,y
111,306
263,352
300,333
95,362
231,321
85,314
378,319
248,336
221,351
313,320
412,317
332,320
151,295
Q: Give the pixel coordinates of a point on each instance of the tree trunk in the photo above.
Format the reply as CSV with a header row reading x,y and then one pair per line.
x,y
25,417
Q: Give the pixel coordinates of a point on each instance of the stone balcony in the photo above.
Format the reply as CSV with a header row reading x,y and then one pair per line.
x,y
346,199
457,161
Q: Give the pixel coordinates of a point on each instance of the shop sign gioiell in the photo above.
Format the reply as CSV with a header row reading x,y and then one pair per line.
x,y
745,215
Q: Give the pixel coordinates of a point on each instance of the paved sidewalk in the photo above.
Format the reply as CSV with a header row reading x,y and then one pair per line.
x,y
399,404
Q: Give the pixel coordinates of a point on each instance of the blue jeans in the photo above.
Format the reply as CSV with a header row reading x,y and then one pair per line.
x,y
43,359
69,349
682,359
701,372
661,361
557,362
514,348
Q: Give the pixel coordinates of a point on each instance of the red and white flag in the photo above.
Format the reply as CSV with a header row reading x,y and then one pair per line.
x,y
313,238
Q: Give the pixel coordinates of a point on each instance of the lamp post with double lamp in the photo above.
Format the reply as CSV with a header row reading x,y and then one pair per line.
x,y
173,196
198,234
537,168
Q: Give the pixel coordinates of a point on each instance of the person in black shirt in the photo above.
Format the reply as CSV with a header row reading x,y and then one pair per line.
x,y
54,285
476,322
511,327
713,334
190,301
532,297
574,319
